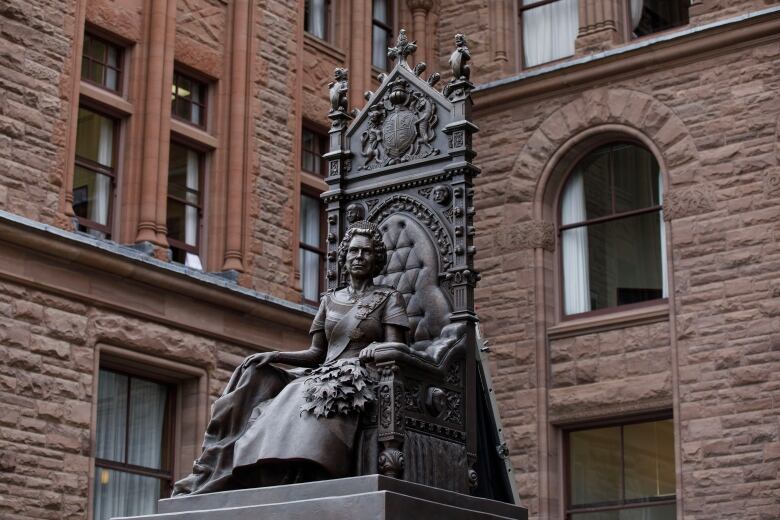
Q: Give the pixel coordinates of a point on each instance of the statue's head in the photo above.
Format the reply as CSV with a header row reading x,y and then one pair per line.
x,y
340,74
354,212
440,194
364,233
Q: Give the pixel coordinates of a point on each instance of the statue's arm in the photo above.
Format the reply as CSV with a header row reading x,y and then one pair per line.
x,y
312,357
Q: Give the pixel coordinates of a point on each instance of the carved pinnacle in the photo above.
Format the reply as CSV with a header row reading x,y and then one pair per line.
x,y
403,47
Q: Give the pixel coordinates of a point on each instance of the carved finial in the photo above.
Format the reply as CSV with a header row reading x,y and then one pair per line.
x,y
459,86
434,78
381,77
460,58
420,68
338,97
403,48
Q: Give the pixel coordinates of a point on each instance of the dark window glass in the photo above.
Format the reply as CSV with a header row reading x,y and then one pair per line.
x,y
652,16
313,145
183,215
94,175
312,247
101,63
612,233
381,32
548,28
188,99
622,472
132,449
317,18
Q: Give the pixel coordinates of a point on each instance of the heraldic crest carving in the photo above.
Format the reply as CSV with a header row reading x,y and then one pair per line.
x,y
400,128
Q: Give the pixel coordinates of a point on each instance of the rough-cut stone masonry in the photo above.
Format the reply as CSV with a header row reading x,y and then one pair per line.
x,y
714,124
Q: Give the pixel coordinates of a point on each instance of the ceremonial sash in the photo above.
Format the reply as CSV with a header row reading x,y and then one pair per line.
x,y
341,335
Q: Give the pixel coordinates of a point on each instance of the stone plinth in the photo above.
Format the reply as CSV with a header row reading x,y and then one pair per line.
x,y
367,497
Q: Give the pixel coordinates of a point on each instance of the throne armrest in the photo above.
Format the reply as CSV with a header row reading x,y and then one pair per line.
x,y
430,356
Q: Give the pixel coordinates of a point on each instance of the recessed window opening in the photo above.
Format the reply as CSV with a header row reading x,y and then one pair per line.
x,y
549,29
94,177
381,32
188,99
652,16
101,63
613,244
317,18
621,472
312,247
313,145
184,210
134,430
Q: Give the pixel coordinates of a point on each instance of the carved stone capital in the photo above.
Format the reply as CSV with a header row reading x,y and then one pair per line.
x,y
686,202
526,235
417,5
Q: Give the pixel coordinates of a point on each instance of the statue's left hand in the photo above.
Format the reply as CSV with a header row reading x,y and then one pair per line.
x,y
389,348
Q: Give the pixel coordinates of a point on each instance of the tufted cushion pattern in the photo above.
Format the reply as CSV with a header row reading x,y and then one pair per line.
x,y
413,269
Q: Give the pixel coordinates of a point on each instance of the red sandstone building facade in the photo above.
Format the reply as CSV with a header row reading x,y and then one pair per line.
x,y
627,234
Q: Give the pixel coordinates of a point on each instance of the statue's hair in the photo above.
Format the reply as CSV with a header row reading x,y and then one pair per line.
x,y
370,230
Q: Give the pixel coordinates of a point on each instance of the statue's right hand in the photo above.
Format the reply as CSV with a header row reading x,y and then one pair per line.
x,y
259,359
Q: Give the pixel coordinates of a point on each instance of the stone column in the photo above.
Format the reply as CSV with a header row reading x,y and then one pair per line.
x,y
359,51
420,9
156,110
237,130
600,25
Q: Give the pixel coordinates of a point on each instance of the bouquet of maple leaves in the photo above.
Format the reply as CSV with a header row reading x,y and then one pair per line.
x,y
342,387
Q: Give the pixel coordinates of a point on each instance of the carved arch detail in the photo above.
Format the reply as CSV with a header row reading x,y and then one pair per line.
x,y
428,218
637,111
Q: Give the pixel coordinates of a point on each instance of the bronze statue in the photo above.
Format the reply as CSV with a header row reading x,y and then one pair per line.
x,y
275,426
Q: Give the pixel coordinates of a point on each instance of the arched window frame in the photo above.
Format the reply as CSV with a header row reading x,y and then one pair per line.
x,y
584,153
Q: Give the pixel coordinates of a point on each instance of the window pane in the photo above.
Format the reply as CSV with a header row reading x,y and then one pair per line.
x,y
549,31
111,416
379,47
188,98
91,195
624,261
594,463
311,210
381,11
123,494
651,16
636,178
95,138
147,421
598,193
310,275
665,512
316,20
649,459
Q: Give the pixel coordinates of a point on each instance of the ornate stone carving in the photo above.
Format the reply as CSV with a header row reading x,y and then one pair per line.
x,y
338,90
454,410
454,376
400,127
355,212
459,85
686,202
526,235
425,216
403,47
391,463
441,195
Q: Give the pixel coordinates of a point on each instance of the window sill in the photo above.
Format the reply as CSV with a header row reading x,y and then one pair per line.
x,y
614,320
197,136
112,102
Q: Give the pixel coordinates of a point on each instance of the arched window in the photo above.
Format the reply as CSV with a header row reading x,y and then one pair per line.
x,y
612,234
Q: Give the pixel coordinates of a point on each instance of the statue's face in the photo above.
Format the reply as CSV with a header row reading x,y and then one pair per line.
x,y
440,194
360,256
353,213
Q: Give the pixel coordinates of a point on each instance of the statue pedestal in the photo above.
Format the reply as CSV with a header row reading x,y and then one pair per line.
x,y
371,496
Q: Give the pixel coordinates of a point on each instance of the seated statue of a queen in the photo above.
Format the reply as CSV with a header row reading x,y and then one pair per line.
x,y
273,425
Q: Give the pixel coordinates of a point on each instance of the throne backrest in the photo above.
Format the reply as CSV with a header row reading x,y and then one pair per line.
x,y
413,269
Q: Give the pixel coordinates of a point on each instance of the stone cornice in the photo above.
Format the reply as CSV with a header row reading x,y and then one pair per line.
x,y
125,262
651,53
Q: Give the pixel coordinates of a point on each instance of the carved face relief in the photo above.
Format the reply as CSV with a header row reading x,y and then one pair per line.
x,y
440,194
360,257
354,213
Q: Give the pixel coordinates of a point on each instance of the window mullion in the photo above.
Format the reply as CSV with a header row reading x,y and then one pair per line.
x,y
127,421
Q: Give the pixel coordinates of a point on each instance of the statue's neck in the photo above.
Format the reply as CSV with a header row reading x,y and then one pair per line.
x,y
360,286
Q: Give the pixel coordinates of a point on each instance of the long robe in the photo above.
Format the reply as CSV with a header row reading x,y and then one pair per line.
x,y
259,433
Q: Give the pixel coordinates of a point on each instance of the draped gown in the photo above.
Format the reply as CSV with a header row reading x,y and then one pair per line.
x,y
260,432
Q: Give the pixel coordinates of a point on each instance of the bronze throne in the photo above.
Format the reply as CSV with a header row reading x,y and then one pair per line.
x,y
403,162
